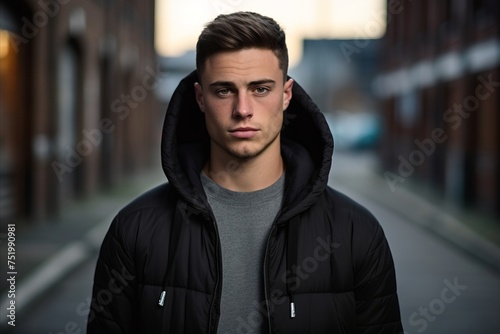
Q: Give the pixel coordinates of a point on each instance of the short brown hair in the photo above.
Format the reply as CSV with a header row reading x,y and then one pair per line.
x,y
242,30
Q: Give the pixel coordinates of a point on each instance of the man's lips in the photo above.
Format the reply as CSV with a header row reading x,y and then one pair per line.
x,y
243,132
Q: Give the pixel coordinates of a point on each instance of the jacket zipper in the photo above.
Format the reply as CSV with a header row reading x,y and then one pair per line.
x,y
273,227
218,291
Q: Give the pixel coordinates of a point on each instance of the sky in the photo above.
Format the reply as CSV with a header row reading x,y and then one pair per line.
x,y
178,23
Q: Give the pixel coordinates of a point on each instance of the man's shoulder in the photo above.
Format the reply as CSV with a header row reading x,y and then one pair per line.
x,y
341,200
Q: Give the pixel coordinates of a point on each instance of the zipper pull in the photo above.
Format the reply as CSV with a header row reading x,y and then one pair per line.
x,y
161,302
292,307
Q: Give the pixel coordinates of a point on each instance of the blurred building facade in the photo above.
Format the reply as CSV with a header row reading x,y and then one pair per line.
x,y
440,92
77,107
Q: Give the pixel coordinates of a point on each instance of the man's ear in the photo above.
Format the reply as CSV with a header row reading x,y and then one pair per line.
x,y
287,93
198,92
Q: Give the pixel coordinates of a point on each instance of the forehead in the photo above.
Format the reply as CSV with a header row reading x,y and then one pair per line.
x,y
241,66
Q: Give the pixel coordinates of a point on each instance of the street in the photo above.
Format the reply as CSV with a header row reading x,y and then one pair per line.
x,y
441,288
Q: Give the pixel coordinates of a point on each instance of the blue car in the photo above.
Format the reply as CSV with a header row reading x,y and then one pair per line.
x,y
354,130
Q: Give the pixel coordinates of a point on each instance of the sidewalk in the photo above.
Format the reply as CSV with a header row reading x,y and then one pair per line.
x,y
476,234
51,249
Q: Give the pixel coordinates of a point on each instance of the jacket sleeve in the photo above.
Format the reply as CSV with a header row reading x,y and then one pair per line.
x,y
377,305
113,305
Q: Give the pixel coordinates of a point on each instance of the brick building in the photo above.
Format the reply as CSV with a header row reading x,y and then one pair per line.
x,y
77,102
440,92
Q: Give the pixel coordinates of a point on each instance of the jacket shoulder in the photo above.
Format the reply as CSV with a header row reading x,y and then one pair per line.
x,y
159,197
149,212
342,203
146,217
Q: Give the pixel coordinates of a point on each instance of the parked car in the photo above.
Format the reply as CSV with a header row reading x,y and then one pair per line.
x,y
354,130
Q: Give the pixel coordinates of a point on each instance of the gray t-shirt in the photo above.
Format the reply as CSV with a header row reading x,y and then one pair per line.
x,y
243,220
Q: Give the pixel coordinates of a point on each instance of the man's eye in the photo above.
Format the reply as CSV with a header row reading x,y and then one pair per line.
x,y
261,90
223,92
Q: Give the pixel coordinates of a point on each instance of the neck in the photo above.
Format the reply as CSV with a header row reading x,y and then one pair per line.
x,y
245,175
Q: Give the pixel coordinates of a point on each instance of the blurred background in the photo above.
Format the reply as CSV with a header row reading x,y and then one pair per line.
x,y
410,89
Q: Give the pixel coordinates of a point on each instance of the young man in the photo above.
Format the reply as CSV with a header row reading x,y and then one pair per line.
x,y
246,237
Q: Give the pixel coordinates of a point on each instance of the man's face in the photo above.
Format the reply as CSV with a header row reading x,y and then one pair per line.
x,y
243,96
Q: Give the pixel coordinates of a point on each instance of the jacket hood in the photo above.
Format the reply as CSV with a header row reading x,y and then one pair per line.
x,y
307,147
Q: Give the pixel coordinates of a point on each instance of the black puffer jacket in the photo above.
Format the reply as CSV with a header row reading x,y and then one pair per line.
x,y
325,253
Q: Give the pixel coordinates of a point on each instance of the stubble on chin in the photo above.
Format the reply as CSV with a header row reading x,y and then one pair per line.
x,y
248,152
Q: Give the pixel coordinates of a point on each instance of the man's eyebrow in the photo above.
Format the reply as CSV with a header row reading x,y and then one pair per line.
x,y
262,82
222,84
232,84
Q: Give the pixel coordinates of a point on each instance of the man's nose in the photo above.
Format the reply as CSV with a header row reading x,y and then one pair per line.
x,y
243,107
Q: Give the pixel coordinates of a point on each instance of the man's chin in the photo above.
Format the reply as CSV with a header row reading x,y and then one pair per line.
x,y
244,155
247,150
